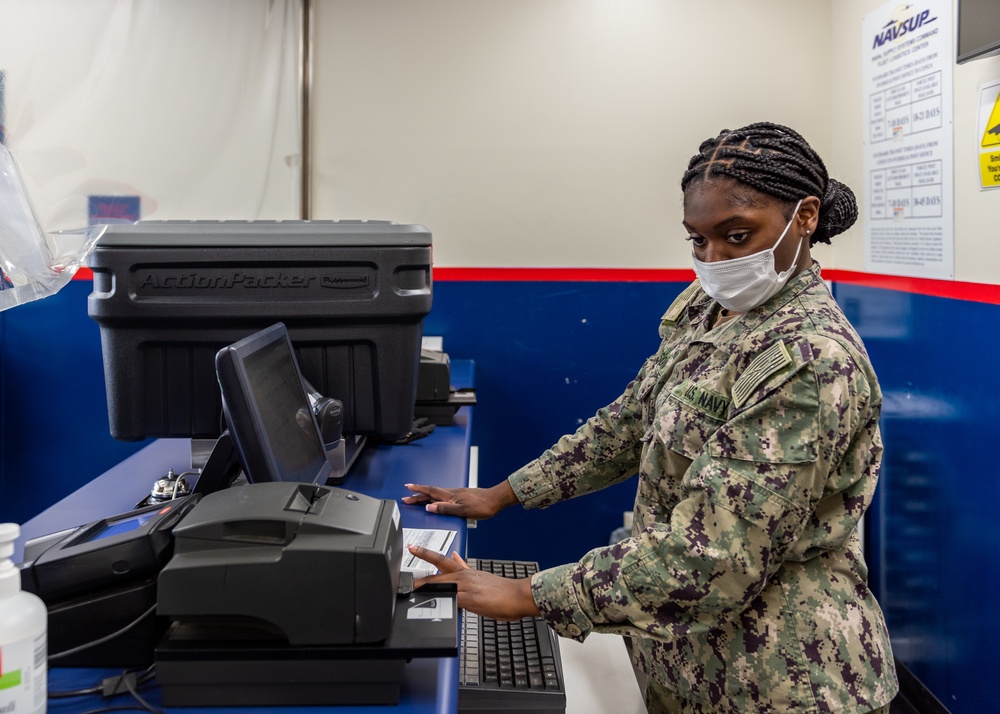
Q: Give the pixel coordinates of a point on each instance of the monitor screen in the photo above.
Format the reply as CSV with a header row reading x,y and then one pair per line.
x,y
978,29
267,410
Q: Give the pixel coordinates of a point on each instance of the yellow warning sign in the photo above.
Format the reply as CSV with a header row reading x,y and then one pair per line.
x,y
991,137
989,169
988,133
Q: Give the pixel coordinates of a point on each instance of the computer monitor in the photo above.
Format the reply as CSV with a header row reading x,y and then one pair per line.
x,y
168,295
270,419
978,30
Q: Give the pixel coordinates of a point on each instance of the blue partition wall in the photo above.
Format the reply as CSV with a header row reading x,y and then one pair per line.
x,y
54,433
934,532
548,354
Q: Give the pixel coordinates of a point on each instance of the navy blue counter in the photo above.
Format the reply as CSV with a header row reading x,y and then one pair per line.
x,y
441,459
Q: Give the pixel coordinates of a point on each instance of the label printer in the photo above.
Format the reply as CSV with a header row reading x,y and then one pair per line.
x,y
318,565
291,594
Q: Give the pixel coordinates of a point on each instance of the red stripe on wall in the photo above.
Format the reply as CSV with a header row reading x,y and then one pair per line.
x,y
564,275
974,292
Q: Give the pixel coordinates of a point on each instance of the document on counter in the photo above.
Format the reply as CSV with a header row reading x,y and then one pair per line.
x,y
430,538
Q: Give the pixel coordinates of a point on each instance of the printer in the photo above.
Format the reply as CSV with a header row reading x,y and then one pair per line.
x,y
318,565
290,594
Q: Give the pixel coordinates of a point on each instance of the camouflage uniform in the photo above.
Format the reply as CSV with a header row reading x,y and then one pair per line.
x,y
758,449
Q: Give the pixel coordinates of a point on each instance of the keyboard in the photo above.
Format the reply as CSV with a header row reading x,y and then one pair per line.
x,y
509,666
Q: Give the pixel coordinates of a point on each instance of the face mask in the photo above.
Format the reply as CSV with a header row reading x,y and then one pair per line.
x,y
741,284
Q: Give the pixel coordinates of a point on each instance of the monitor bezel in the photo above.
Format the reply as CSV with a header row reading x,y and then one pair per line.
x,y
965,16
253,443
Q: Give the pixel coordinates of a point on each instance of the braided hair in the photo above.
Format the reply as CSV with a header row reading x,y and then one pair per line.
x,y
776,161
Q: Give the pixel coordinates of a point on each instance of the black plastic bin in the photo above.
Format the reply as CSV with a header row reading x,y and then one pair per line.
x,y
169,294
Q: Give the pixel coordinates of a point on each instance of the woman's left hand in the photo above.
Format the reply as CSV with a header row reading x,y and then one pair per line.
x,y
482,593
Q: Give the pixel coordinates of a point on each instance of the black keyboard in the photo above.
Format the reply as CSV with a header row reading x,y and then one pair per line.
x,y
509,666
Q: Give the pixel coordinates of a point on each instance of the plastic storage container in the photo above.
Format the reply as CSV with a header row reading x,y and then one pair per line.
x,y
169,294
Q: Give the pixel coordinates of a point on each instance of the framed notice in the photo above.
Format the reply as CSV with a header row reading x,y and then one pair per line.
x,y
908,200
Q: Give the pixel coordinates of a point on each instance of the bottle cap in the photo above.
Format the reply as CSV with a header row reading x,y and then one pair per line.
x,y
10,577
9,532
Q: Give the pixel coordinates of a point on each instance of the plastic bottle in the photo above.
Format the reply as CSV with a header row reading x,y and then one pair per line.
x,y
623,531
23,646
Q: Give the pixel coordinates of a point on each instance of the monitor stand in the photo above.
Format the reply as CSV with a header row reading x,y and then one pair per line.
x,y
342,454
220,469
220,466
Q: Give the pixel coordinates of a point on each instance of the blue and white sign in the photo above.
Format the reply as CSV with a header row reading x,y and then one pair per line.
x,y
907,136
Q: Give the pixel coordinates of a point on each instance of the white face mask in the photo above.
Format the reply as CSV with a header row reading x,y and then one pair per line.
x,y
741,284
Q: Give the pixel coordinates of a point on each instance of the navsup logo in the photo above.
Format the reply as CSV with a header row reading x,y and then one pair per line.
x,y
902,21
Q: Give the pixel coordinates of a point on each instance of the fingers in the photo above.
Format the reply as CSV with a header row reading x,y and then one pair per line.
x,y
445,565
435,559
417,497
458,559
446,508
429,493
437,500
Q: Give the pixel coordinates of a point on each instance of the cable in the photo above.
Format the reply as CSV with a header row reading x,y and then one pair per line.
x,y
126,682
107,638
74,693
109,686
146,674
135,694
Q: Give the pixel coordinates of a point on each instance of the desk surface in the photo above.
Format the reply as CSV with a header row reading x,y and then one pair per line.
x,y
441,459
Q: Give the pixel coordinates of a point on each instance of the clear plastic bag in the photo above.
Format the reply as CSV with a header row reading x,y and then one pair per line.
x,y
33,264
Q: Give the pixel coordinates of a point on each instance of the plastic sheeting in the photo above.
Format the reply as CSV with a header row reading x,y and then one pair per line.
x,y
192,107
33,265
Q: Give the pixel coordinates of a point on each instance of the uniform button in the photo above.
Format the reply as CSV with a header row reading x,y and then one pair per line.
x,y
574,630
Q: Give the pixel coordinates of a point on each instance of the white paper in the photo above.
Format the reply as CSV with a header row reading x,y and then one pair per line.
x,y
438,540
908,150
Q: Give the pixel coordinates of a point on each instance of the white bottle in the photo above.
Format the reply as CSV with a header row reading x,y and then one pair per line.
x,y
23,647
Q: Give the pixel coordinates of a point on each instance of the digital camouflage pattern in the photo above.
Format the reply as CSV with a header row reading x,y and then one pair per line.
x,y
757,446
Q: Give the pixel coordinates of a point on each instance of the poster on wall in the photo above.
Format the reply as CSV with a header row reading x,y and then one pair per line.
x,y
907,136
988,135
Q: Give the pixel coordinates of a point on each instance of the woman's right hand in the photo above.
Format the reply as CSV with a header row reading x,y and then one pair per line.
x,y
476,503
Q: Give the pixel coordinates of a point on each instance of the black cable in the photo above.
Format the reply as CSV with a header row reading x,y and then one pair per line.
x,y
127,682
135,694
107,638
74,693
145,675
109,686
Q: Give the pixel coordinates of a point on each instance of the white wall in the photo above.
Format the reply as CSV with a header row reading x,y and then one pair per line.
x,y
550,132
977,238
522,132
191,105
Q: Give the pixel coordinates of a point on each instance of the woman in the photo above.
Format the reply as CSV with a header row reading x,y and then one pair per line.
x,y
754,430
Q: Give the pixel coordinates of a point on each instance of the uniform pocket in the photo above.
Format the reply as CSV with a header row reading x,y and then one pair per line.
x,y
681,428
